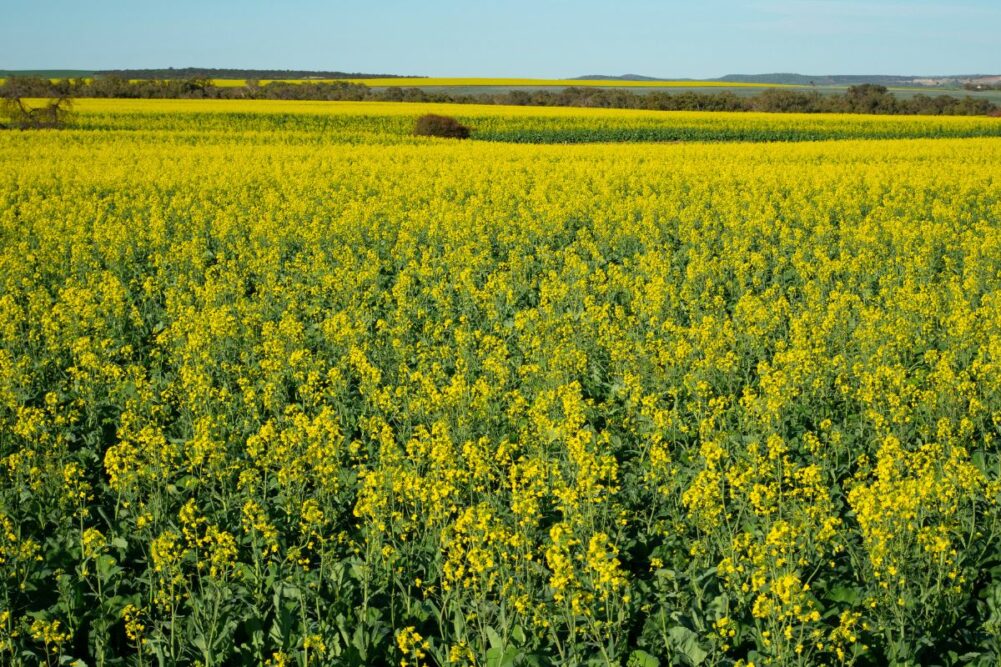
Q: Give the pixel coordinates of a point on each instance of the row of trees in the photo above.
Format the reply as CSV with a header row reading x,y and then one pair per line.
x,y
865,98
111,86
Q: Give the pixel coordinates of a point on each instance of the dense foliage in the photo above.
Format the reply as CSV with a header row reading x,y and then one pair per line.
x,y
860,99
270,395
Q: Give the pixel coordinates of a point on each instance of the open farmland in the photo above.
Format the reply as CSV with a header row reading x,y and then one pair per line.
x,y
282,384
391,123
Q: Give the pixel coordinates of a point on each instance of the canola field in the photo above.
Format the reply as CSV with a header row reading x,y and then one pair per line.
x,y
283,385
391,123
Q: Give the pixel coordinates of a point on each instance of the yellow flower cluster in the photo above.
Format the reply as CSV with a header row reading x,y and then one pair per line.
x,y
412,646
49,634
134,626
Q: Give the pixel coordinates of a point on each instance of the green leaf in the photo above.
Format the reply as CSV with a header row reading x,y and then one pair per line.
x,y
494,638
642,659
107,566
846,594
686,643
359,640
498,657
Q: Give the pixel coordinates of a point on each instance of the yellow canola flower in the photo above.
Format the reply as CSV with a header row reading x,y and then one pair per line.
x,y
554,389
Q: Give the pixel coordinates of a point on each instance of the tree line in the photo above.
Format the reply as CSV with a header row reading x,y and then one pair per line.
x,y
863,98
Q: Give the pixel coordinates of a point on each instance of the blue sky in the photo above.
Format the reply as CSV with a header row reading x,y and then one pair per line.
x,y
545,38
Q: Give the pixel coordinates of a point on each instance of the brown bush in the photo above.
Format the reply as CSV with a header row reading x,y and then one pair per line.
x,y
432,125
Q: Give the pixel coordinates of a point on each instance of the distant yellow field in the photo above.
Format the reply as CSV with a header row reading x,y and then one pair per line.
x,y
390,122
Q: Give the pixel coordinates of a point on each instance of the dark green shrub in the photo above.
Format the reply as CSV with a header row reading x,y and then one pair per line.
x,y
432,125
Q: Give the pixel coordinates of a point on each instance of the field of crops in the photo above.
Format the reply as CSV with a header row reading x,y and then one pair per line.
x,y
283,385
391,123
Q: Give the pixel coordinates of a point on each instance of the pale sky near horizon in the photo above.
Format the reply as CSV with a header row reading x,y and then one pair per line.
x,y
530,38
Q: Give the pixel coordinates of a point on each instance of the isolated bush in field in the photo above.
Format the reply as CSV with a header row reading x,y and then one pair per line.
x,y
19,113
22,116
432,125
